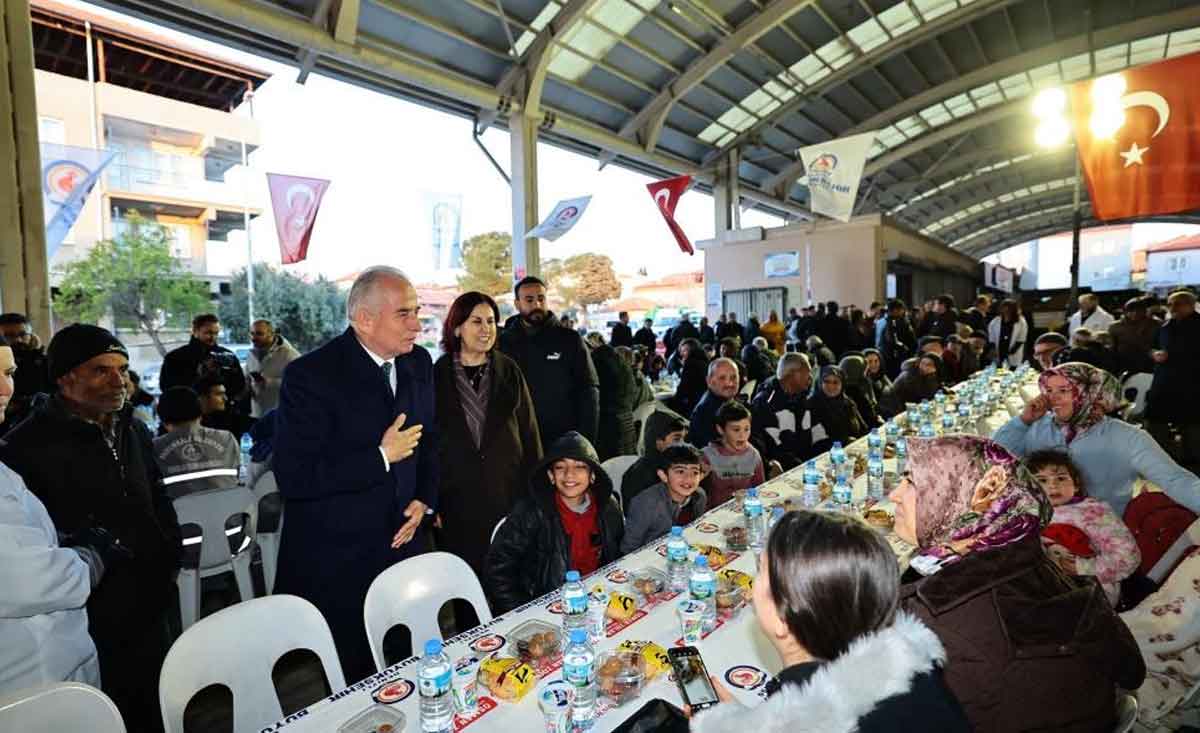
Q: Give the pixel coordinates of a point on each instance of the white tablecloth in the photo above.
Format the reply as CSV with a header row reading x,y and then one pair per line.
x,y
735,650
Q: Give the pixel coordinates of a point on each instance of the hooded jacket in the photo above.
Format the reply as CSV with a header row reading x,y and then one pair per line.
x,y
1027,647
264,395
886,681
531,552
560,375
644,472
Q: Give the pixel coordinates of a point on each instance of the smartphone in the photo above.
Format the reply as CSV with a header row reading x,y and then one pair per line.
x,y
692,678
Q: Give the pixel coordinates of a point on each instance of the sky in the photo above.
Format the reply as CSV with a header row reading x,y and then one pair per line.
x,y
383,154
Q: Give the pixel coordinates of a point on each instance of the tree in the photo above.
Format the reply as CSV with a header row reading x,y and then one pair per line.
x,y
487,260
307,313
136,279
587,279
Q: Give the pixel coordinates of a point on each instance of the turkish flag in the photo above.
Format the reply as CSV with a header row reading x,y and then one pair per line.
x,y
1152,164
666,194
295,201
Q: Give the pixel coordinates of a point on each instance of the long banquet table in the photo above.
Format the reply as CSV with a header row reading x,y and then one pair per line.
x,y
734,652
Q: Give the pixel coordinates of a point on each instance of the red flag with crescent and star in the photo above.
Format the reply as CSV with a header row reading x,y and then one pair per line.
x,y
1152,164
295,201
666,195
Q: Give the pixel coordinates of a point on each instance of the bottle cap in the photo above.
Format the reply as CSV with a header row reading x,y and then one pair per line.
x,y
701,561
676,531
752,492
433,646
572,576
578,636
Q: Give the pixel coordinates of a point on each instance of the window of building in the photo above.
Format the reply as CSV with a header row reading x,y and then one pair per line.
x,y
52,130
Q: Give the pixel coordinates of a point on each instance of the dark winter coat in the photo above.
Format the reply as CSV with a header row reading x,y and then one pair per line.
x,y
758,366
560,375
910,386
702,427
1175,392
618,398
888,681
682,330
707,334
480,484
183,366
941,325
838,416
693,383
1132,342
645,337
788,446
1027,647
67,463
834,332
644,472
622,335
344,503
531,553
895,340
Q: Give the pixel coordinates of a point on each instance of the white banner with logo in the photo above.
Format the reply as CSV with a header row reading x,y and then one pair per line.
x,y
834,170
69,174
566,213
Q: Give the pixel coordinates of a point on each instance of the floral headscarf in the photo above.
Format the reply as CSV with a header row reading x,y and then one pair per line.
x,y
972,494
1094,393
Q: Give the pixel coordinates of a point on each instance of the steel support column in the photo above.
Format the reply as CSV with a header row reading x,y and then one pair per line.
x,y
726,196
523,136
24,277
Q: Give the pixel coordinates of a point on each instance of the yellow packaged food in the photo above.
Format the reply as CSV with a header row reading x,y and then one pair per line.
x,y
716,558
621,607
507,678
656,658
737,577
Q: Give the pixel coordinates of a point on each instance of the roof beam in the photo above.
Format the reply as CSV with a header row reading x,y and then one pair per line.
x,y
527,77
307,57
976,221
345,21
1003,185
1141,28
1057,162
648,122
970,243
930,29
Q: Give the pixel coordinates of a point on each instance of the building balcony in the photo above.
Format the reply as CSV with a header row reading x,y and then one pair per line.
x,y
179,179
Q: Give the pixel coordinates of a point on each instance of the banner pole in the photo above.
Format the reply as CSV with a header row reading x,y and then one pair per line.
x,y
249,97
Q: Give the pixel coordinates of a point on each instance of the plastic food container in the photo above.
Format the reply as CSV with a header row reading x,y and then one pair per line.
x,y
620,675
535,642
375,719
730,598
735,538
649,584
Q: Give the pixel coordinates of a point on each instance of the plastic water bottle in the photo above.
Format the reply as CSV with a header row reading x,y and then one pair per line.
x,y
756,530
433,685
247,443
875,478
892,431
703,587
776,515
677,561
926,430
812,486
837,454
949,423
579,671
575,604
901,455
875,441
841,492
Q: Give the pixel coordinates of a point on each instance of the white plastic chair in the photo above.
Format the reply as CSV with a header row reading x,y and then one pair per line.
x,y
496,529
1134,389
640,414
268,542
1170,558
748,390
60,707
412,592
238,647
210,510
616,468
1127,710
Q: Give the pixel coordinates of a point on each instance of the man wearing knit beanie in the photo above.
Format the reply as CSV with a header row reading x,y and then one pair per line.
x,y
81,455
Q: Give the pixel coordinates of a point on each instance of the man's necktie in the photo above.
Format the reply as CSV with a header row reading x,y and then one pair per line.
x,y
387,378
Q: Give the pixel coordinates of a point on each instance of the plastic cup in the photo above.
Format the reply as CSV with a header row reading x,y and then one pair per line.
x,y
464,685
597,606
691,619
555,702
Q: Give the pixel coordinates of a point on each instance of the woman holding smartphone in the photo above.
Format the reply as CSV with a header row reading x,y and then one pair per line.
x,y
826,597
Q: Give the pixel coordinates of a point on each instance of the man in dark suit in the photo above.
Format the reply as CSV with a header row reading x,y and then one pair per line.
x,y
354,468
622,334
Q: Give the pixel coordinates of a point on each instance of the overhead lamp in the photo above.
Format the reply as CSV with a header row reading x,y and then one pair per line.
x,y
1052,132
1108,89
1049,102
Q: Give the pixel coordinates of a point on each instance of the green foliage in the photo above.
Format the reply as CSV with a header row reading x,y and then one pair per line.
x,y
307,313
136,279
587,279
487,261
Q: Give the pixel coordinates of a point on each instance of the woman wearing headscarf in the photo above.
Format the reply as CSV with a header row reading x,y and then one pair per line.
x,y
859,389
489,432
1071,416
876,372
836,413
693,379
1028,647
758,365
1007,332
773,331
919,380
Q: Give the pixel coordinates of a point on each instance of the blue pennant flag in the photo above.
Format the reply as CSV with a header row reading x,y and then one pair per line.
x,y
69,174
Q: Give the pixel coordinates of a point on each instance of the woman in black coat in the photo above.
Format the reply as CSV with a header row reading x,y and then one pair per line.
x,y
693,381
836,412
488,430
618,398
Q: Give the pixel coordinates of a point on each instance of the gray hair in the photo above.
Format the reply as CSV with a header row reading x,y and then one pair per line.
x,y
363,291
759,342
790,362
712,365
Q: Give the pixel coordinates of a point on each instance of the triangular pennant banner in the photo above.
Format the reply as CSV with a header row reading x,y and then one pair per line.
x,y
565,215
834,170
295,201
667,194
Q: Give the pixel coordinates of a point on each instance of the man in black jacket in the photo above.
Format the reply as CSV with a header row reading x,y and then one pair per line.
x,y
556,365
707,334
943,319
569,520
32,376
780,425
645,336
82,457
622,335
202,356
833,329
723,382
1174,396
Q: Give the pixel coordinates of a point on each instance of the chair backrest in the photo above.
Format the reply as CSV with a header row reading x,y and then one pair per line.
x,y
1134,389
640,413
616,468
1127,710
748,390
1175,553
412,592
496,529
238,647
210,510
59,707
265,484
